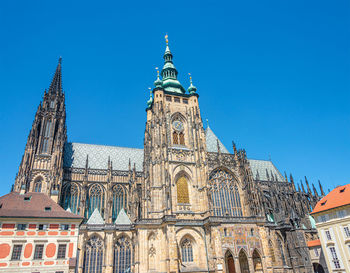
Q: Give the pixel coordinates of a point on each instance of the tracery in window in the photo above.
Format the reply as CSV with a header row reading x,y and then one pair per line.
x,y
96,199
122,256
38,184
182,191
47,131
186,251
71,198
175,138
93,258
224,194
119,200
182,138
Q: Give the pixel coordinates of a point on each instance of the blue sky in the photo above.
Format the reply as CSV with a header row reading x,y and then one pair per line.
x,y
272,75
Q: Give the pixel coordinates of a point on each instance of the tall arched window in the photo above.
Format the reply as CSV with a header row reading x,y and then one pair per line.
x,y
182,191
122,256
186,251
119,200
175,138
96,199
280,246
47,131
71,198
93,258
224,194
38,184
182,138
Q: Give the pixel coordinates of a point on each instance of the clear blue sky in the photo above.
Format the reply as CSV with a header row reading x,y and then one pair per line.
x,y
272,75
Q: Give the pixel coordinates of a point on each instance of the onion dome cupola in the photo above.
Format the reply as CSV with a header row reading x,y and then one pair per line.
x,y
158,82
169,73
192,89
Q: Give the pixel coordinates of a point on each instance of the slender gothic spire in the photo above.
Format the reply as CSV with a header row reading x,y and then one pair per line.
x,y
56,84
169,72
321,189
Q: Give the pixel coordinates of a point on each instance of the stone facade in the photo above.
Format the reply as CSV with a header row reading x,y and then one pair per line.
x,y
191,205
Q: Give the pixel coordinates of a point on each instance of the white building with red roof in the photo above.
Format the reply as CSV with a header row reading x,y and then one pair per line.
x,y
36,234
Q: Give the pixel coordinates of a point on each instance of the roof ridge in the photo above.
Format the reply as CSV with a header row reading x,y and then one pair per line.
x,y
105,145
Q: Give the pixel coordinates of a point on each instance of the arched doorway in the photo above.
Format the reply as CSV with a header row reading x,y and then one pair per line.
x,y
318,268
243,262
230,263
257,261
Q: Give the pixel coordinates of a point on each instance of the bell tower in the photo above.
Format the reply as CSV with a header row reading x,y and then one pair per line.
x,y
174,149
41,168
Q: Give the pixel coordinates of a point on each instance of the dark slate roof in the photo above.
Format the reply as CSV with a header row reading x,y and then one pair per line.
x,y
30,205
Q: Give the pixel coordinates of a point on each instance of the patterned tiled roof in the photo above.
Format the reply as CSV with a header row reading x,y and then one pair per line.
x,y
95,218
75,155
266,169
211,140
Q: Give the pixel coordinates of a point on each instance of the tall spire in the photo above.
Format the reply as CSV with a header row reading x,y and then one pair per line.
x,y
169,72
56,84
321,189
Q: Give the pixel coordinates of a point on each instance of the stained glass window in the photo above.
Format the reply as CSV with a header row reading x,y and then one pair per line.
x,y
71,197
93,259
122,256
186,251
38,184
119,200
182,191
224,194
96,199
45,145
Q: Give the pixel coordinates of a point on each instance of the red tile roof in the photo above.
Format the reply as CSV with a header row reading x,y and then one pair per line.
x,y
32,204
314,243
338,197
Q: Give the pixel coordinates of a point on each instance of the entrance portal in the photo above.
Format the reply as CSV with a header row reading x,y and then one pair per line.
x,y
230,263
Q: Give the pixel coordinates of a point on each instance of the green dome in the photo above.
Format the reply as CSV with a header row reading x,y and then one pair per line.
x,y
192,89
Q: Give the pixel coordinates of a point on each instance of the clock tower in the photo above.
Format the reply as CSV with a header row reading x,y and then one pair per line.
x,y
174,154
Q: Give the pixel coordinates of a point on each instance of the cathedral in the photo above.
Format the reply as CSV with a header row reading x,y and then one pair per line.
x,y
183,203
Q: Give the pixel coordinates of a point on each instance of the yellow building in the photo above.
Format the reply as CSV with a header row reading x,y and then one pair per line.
x,y
332,215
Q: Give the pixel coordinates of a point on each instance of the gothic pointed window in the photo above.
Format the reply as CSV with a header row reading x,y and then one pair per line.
x,y
186,251
182,191
93,256
175,138
46,137
182,138
119,201
96,199
71,198
122,256
224,194
38,184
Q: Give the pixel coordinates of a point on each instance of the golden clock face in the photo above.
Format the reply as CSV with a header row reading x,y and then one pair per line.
x,y
178,125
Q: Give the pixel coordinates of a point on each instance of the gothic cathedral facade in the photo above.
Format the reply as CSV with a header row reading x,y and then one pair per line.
x,y
183,203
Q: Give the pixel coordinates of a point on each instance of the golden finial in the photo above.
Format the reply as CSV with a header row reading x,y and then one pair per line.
x,y
150,91
157,69
190,77
166,39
